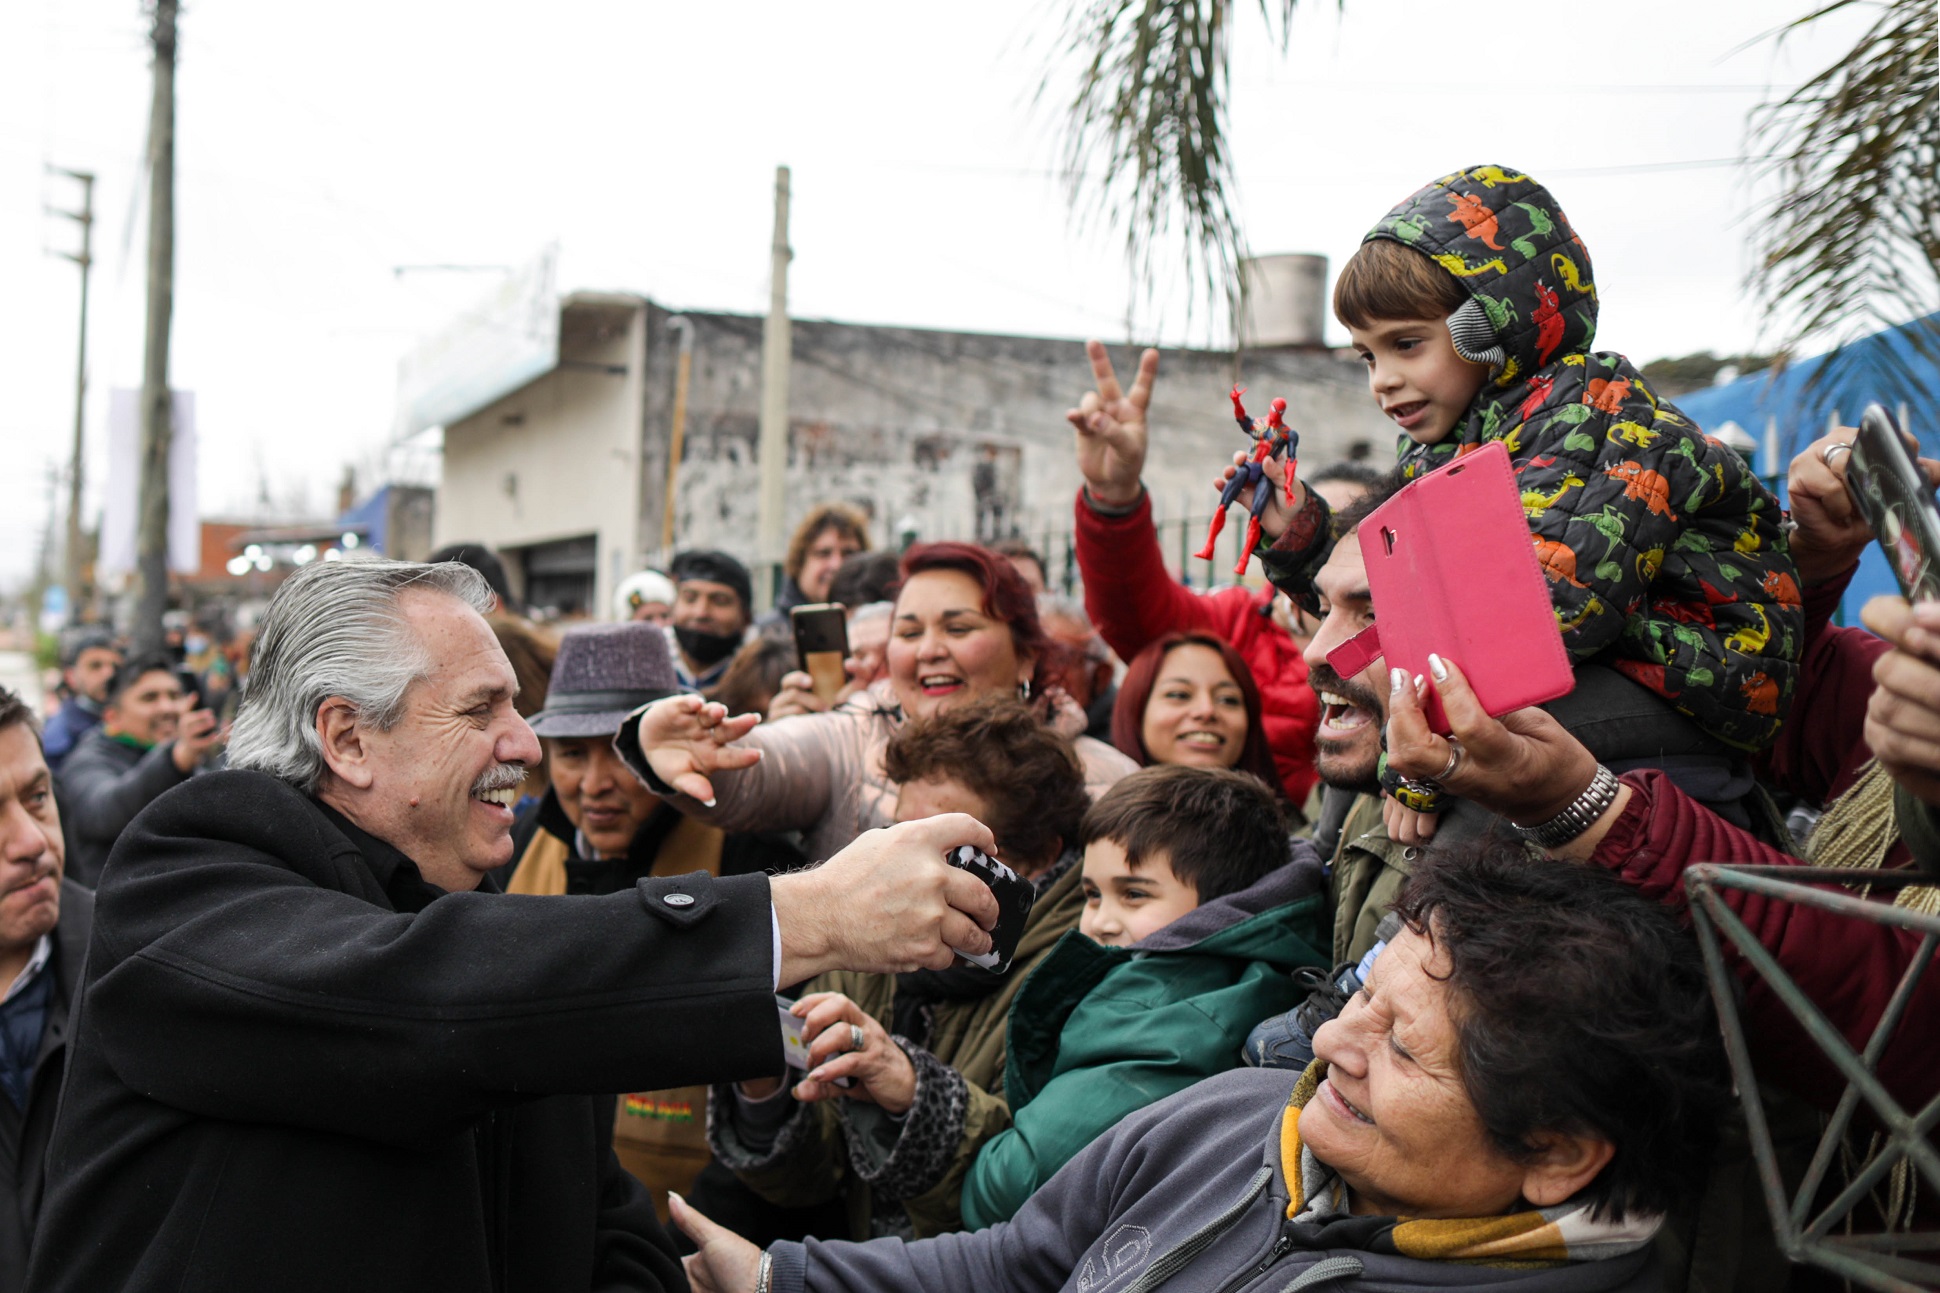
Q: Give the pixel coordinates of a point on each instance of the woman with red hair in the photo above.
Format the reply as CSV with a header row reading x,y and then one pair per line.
x,y
965,625
1189,698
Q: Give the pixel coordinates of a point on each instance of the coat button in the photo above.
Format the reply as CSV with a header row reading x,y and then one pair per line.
x,y
679,900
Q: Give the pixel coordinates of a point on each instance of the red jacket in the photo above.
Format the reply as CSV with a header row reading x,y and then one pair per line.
x,y
1847,967
1134,601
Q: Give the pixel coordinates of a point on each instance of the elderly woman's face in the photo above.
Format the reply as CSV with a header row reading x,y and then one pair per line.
x,y
1392,1116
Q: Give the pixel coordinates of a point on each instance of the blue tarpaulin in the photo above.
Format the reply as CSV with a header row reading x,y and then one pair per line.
x,y
1778,409
370,519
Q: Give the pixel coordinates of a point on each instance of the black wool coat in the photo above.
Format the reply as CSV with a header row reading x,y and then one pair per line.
x,y
23,1138
298,1066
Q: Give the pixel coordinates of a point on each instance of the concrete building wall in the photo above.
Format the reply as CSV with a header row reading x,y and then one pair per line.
x,y
558,459
963,434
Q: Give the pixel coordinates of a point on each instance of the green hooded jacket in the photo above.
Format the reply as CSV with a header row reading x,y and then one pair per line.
x,y
1097,1033
1664,553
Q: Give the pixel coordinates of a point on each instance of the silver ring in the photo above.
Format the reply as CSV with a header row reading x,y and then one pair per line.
x,y
1825,454
1455,753
856,1037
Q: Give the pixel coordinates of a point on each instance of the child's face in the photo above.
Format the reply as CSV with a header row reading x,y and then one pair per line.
x,y
1416,376
1123,906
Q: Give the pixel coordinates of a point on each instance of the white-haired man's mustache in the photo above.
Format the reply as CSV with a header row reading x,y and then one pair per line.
x,y
502,777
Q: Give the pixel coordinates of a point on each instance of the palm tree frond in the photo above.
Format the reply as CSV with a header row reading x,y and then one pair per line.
x,y
1852,244
1145,133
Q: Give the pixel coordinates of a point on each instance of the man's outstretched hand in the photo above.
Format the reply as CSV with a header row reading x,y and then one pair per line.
x,y
887,903
1111,428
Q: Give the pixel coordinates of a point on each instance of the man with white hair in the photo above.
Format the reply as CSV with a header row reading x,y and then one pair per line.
x,y
309,1056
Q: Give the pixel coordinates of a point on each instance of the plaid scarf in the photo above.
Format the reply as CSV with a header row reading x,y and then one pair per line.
x,y
1538,1237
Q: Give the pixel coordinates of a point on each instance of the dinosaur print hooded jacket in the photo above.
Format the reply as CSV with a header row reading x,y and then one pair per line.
x,y
1664,553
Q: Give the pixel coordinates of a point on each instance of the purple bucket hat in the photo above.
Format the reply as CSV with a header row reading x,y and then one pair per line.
x,y
603,673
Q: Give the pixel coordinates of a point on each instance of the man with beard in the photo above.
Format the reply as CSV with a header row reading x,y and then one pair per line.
x,y
713,606
312,1053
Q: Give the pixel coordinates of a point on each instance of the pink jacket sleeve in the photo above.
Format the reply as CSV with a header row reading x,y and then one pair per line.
x,y
1848,968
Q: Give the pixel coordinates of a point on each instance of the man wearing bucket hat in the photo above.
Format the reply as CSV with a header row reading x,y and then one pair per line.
x,y
599,831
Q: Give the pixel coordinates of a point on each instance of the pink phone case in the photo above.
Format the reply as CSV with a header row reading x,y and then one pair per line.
x,y
1451,569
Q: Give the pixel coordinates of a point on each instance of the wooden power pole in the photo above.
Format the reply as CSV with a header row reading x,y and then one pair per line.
x,y
77,463
777,347
157,404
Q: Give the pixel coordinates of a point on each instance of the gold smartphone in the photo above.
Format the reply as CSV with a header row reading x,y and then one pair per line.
x,y
822,644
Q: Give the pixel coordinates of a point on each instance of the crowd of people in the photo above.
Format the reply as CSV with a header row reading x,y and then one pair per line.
x,y
418,946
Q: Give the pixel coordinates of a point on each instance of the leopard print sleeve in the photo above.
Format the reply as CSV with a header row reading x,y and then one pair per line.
x,y
906,1157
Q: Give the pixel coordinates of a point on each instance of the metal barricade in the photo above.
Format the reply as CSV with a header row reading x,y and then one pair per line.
x,y
1804,1232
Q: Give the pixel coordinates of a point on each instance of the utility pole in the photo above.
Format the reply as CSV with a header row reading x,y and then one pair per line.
x,y
777,345
157,402
76,464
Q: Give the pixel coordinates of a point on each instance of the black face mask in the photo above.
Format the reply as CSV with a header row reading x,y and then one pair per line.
x,y
706,648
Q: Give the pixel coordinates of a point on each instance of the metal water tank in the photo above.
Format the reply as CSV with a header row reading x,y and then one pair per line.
x,y
1285,300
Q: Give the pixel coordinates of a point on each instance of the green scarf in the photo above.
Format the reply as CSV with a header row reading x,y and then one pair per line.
x,y
1538,1237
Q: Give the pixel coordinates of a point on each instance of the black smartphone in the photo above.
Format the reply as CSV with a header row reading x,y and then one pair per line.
x,y
1014,899
822,644
1888,489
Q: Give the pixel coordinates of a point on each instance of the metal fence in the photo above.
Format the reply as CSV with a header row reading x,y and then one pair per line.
x,y
1805,1230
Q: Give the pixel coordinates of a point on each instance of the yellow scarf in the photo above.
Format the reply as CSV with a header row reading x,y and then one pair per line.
x,y
1538,1237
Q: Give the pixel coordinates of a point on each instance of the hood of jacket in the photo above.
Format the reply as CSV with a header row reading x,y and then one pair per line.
x,y
1505,239
1231,926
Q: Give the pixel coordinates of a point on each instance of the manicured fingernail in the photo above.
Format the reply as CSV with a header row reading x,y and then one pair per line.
x,y
709,803
1438,667
1397,679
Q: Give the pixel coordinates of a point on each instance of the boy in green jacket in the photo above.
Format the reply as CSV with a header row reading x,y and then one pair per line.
x,y
1197,910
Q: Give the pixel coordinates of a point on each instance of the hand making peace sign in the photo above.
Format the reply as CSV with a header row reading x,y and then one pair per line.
x,y
1111,428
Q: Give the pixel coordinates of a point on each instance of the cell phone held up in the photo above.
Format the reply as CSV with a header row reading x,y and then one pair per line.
x,y
1889,490
822,644
1014,898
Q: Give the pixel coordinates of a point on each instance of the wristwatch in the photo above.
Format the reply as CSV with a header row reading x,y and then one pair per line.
x,y
1579,816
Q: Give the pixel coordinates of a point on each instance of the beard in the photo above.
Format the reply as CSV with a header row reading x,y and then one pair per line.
x,y
1349,762
704,648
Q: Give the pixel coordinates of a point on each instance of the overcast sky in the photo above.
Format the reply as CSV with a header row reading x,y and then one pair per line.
x,y
322,148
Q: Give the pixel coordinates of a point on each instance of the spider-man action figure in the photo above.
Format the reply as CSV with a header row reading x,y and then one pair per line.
x,y
1275,440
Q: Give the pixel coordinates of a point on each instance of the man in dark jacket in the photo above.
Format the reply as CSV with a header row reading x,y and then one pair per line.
x,y
145,745
309,1056
44,922
88,664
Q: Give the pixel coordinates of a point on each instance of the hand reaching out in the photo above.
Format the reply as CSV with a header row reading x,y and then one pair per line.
x,y
685,739
725,1262
1832,532
1111,428
881,1072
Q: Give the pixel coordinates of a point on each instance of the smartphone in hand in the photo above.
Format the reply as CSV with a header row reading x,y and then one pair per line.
x,y
822,644
1889,490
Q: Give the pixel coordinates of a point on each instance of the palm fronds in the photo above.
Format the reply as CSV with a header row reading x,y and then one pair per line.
x,y
1145,135
1852,244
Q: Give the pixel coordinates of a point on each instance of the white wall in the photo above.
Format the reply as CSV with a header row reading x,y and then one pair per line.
x,y
558,458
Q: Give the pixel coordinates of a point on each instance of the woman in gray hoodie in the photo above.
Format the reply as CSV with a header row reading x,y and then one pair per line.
x,y
1526,1086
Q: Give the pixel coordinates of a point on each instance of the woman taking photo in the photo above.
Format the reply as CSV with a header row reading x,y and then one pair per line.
x,y
965,626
